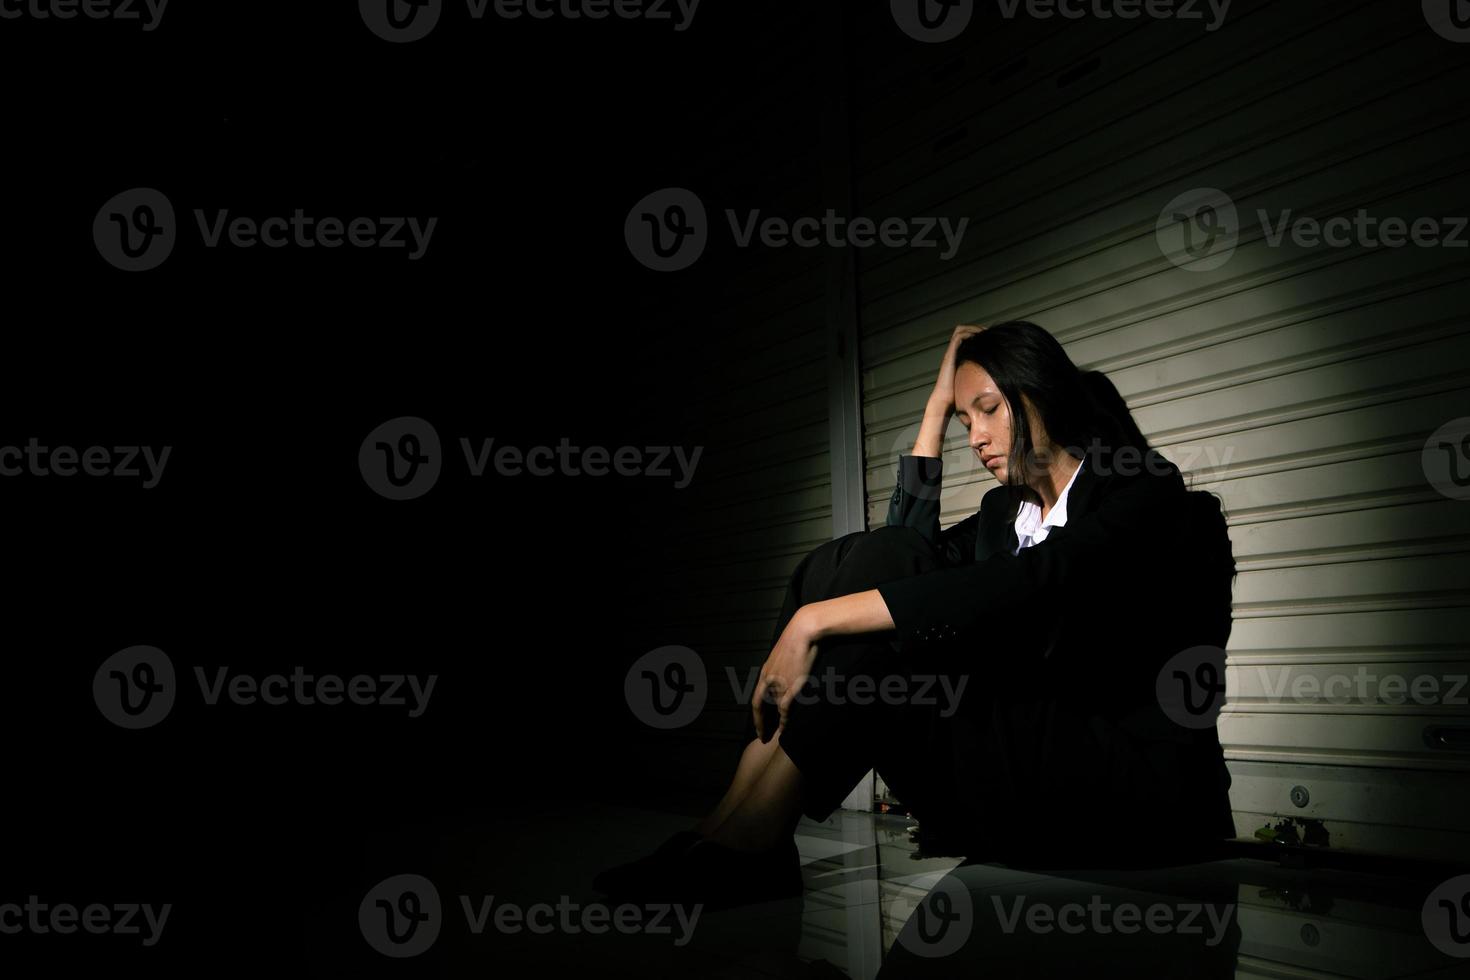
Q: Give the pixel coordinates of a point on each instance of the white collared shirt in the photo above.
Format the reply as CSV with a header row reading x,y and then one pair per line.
x,y
1030,528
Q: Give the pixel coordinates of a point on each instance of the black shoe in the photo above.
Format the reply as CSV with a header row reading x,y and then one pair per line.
x,y
623,877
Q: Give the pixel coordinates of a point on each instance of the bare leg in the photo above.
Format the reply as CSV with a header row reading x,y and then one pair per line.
x,y
769,811
753,762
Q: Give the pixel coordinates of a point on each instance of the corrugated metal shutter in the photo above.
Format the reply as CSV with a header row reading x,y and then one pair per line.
x,y
1299,383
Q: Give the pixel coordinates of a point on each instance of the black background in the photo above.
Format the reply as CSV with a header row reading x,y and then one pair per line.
x,y
262,548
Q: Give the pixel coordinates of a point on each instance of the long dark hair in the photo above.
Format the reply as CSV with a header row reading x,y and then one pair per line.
x,y
1080,410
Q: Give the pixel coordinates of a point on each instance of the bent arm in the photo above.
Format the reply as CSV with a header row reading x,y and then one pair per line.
x,y
857,612
915,501
915,504
1125,539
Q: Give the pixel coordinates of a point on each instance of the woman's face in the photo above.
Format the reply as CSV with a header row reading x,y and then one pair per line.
x,y
983,410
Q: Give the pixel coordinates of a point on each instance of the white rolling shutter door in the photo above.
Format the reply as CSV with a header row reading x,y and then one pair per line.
x,y
1299,383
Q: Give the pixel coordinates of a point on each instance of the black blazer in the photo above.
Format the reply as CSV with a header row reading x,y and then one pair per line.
x,y
1071,636
1136,543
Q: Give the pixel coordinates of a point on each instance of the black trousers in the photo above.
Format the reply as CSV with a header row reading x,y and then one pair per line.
x,y
917,737
1009,767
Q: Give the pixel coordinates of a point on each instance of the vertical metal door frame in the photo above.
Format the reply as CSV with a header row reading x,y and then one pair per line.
x,y
844,383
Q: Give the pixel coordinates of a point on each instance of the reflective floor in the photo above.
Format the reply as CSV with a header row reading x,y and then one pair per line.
x,y
872,908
